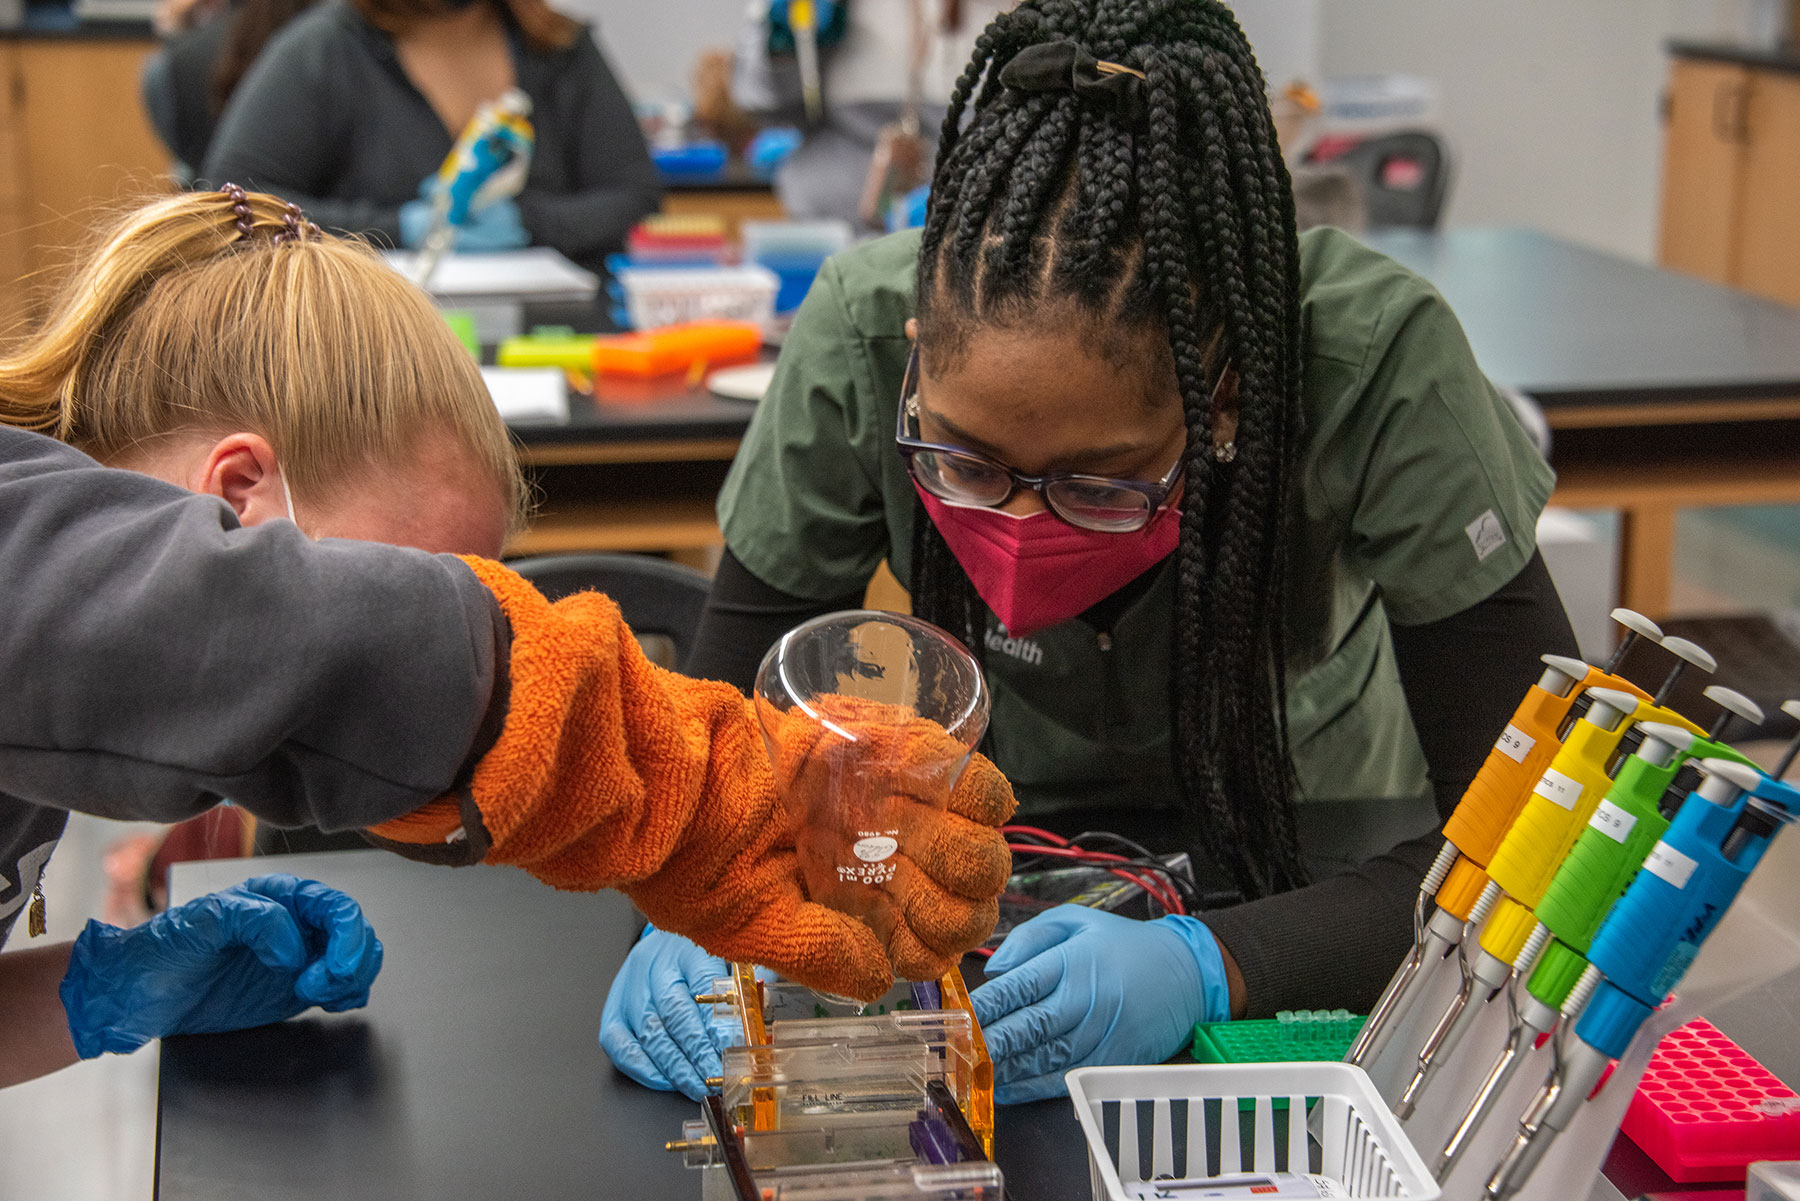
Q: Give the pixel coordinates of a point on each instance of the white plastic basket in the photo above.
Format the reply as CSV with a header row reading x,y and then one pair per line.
x,y
659,296
1223,1119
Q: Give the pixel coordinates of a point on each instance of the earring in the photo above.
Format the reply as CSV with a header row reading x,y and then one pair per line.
x,y
1225,453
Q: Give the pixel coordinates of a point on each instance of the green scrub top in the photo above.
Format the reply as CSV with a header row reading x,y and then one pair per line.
x,y
1417,496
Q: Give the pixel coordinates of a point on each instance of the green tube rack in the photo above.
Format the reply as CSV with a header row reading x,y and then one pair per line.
x,y
1292,1036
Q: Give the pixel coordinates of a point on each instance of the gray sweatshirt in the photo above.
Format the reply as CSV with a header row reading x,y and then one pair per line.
x,y
156,656
328,119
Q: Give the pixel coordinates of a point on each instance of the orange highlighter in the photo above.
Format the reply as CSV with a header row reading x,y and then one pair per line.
x,y
677,349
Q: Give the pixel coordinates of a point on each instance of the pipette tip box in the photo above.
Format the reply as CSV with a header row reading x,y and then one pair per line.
x,y
1706,1109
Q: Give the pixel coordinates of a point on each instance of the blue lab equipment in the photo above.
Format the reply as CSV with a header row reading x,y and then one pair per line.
x,y
770,148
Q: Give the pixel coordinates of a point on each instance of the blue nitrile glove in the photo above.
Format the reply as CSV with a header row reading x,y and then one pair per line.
x,y
1075,988
256,953
496,227
651,1027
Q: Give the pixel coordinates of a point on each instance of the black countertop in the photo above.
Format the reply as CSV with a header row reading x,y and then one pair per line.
x,y
1570,325
735,177
1780,58
474,1073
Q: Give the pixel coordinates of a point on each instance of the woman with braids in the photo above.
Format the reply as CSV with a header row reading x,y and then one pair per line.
x,y
1244,536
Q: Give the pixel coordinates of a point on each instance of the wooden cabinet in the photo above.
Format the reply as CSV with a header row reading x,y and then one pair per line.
x,y
1731,174
15,241
73,140
1766,257
1702,145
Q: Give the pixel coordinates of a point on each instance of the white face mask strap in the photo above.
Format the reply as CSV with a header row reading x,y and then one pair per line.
x,y
288,495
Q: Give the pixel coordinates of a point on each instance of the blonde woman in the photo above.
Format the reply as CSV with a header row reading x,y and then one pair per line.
x,y
214,622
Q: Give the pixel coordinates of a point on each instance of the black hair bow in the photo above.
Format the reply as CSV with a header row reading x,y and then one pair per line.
x,y
1065,67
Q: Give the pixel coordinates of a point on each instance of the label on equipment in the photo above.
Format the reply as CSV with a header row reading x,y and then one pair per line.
x,y
1559,788
1669,864
1612,821
874,850
1515,743
1271,1186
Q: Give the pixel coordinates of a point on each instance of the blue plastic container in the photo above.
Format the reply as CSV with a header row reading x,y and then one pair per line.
x,y
696,160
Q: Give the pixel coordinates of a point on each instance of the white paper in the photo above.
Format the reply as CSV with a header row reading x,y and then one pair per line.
x,y
529,395
538,272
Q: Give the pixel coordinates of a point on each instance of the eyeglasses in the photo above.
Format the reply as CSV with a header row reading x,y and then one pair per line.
x,y
963,477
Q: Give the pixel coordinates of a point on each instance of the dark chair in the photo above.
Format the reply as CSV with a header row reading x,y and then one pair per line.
x,y
661,600
1404,178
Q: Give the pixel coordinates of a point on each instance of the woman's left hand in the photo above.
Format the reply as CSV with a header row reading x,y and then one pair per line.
x,y
256,953
1077,988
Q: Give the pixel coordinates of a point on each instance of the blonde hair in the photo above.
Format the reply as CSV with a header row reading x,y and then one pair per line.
x,y
196,314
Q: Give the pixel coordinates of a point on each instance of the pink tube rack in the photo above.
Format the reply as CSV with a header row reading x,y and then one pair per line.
x,y
1706,1110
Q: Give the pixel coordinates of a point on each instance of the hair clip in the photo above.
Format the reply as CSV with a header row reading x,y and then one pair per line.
x,y
240,204
1065,66
294,226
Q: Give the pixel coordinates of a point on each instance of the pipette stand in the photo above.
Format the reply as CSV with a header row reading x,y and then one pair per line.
x,y
1757,941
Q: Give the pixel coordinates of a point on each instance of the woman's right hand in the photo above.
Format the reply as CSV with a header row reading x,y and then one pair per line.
x,y
652,1028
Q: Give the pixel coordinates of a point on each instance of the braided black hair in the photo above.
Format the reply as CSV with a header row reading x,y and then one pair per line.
x,y
1176,216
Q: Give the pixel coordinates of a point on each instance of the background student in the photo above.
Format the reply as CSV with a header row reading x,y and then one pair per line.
x,y
352,108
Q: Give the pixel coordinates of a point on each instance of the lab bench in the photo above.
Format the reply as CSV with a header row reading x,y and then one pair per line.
x,y
475,1072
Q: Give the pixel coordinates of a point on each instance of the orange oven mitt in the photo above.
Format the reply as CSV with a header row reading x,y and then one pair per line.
x,y
863,783
611,772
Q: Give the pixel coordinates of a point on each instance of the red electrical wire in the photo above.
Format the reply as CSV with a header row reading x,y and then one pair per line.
x,y
1165,895
1148,881
1056,839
